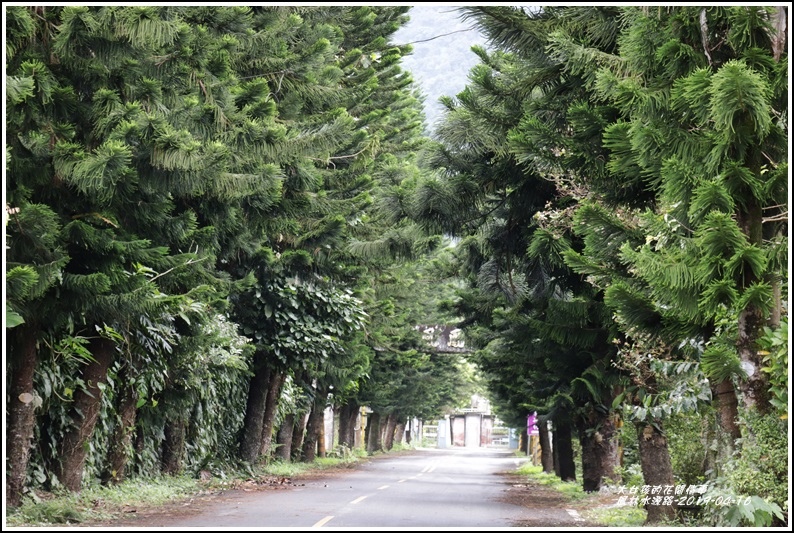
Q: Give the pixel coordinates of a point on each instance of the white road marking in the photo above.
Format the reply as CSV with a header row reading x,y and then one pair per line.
x,y
383,487
402,481
358,500
430,467
322,522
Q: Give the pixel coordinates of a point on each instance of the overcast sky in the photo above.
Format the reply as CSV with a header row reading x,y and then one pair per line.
x,y
441,65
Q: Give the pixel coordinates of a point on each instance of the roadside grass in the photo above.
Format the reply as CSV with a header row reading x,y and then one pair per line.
x,y
102,503
616,516
593,505
97,502
571,489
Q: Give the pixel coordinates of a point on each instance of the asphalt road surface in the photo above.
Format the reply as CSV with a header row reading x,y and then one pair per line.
x,y
432,488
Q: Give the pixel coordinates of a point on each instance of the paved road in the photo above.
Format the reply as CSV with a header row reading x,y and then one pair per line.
x,y
431,488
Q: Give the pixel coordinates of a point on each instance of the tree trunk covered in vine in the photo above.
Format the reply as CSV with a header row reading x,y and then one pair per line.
x,y
85,412
251,442
173,450
275,386
121,439
23,358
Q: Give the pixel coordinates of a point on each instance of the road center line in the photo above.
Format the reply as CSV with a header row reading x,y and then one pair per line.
x,y
402,481
383,487
358,500
430,467
322,522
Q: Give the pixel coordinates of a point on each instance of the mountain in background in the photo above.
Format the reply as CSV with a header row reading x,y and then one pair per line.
x,y
439,66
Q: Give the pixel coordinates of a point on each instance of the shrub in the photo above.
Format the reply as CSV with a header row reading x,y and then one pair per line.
x,y
761,468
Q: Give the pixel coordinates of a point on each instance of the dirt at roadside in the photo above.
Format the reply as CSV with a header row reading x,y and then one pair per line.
x,y
546,507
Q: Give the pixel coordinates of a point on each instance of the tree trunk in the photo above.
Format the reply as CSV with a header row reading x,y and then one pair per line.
x,y
657,470
173,451
85,412
599,450
277,380
315,421
777,302
777,31
298,434
121,439
563,452
251,441
284,438
399,433
391,426
138,445
555,453
546,456
23,358
755,388
347,424
373,433
727,409
321,448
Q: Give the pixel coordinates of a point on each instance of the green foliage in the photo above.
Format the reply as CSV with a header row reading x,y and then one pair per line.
x,y
96,502
570,489
774,346
762,466
726,508
720,362
686,442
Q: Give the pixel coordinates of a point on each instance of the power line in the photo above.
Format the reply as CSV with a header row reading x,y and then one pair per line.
x,y
438,36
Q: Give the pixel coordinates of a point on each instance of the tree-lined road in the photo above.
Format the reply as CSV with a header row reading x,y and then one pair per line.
x,y
431,488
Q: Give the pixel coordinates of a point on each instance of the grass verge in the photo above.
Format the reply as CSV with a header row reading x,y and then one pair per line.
x,y
597,507
571,489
